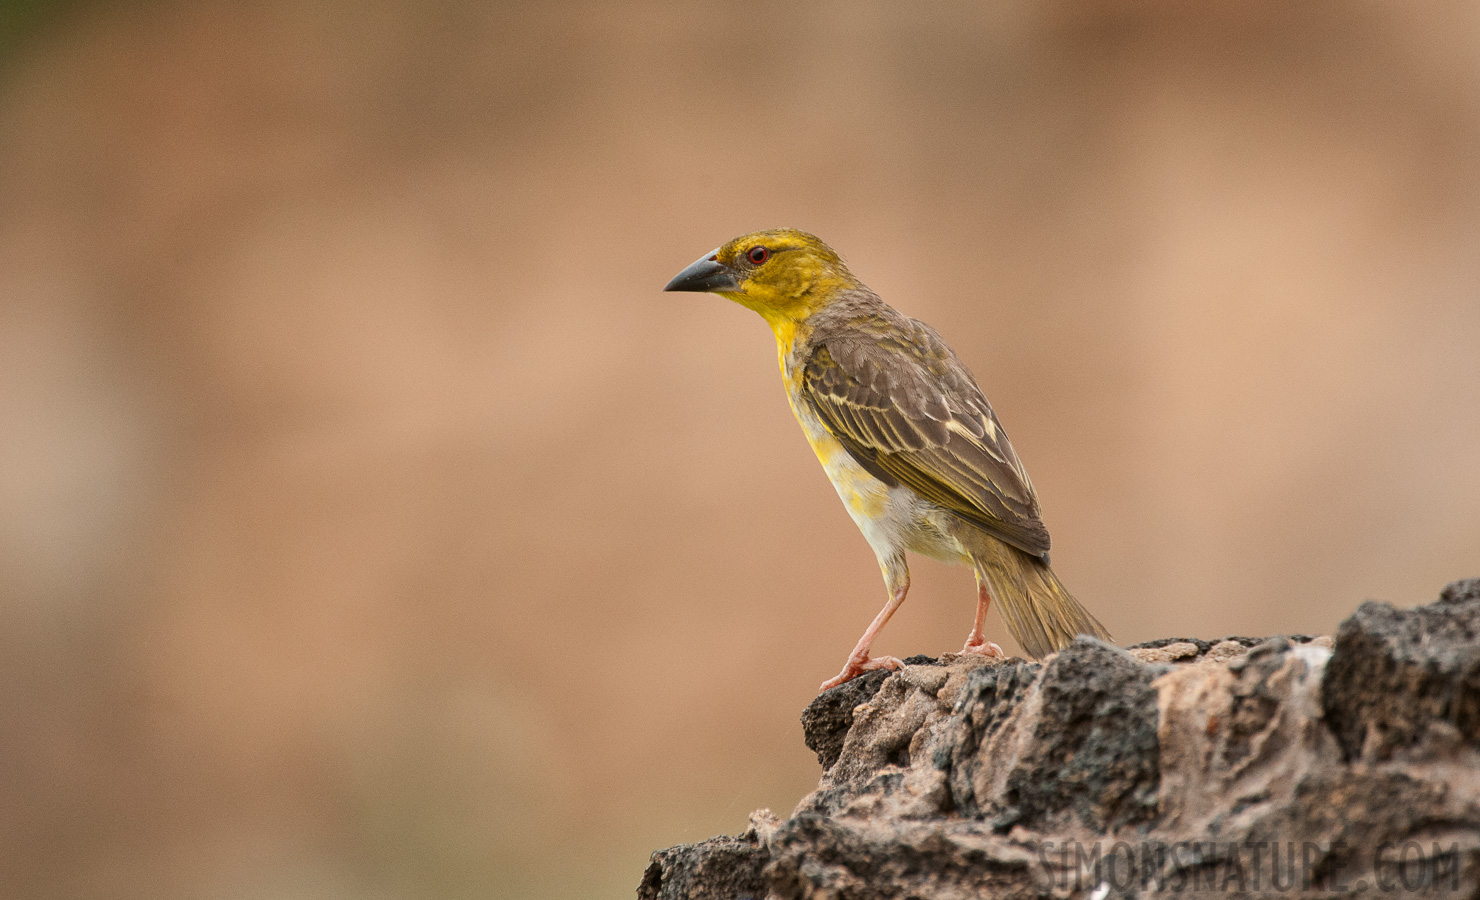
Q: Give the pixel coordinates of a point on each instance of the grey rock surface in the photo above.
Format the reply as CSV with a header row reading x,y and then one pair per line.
x,y
1236,767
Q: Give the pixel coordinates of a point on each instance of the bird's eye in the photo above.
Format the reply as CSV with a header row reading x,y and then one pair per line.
x,y
758,255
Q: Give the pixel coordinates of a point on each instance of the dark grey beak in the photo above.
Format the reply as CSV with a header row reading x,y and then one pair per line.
x,y
707,274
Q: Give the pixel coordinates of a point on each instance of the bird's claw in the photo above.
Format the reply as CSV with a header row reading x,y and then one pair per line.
x,y
858,665
983,648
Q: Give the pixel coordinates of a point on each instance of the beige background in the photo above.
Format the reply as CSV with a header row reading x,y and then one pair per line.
x,y
372,526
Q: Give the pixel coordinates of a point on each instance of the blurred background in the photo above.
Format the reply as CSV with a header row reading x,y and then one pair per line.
x,y
372,526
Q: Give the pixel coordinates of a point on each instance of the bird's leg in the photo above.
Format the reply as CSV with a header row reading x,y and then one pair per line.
x,y
897,578
976,642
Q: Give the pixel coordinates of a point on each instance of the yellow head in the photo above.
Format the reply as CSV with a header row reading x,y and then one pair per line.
x,y
783,274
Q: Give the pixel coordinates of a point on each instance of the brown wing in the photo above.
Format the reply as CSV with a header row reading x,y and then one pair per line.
x,y
897,398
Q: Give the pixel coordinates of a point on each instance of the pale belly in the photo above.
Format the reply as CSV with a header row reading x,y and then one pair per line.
x,y
892,519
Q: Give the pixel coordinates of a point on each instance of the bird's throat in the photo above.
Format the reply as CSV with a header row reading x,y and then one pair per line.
x,y
787,332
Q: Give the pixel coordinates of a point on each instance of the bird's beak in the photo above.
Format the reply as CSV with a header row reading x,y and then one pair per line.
x,y
706,274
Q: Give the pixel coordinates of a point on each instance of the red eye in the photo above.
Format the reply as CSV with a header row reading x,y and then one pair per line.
x,y
758,255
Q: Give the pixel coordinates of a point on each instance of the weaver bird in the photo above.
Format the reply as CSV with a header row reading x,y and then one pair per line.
x,y
902,430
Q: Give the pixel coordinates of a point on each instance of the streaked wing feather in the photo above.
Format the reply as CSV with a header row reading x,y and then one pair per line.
x,y
911,414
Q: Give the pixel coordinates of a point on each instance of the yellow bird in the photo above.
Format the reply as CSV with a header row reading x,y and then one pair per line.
x,y
904,434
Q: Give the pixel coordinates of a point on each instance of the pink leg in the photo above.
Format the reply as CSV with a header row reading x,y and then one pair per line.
x,y
976,642
897,576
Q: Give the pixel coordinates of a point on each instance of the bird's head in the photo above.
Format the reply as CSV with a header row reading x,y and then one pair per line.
x,y
783,274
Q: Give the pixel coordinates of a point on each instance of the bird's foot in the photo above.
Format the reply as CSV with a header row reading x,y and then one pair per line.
x,y
857,665
983,647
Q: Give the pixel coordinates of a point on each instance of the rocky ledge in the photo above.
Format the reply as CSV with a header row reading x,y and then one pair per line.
x,y
1238,767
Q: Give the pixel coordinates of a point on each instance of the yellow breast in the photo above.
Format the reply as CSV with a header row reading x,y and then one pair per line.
x,y
865,496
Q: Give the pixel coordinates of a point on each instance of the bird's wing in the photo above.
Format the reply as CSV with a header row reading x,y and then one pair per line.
x,y
897,398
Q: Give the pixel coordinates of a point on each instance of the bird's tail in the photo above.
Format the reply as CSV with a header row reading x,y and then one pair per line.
x,y
1041,614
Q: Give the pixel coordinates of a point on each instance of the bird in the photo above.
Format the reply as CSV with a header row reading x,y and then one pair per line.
x,y
906,437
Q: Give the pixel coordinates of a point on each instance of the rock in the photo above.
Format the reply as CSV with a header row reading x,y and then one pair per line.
x,y
1224,651
1167,653
826,721
821,857
1242,765
1401,679
1460,591
731,867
